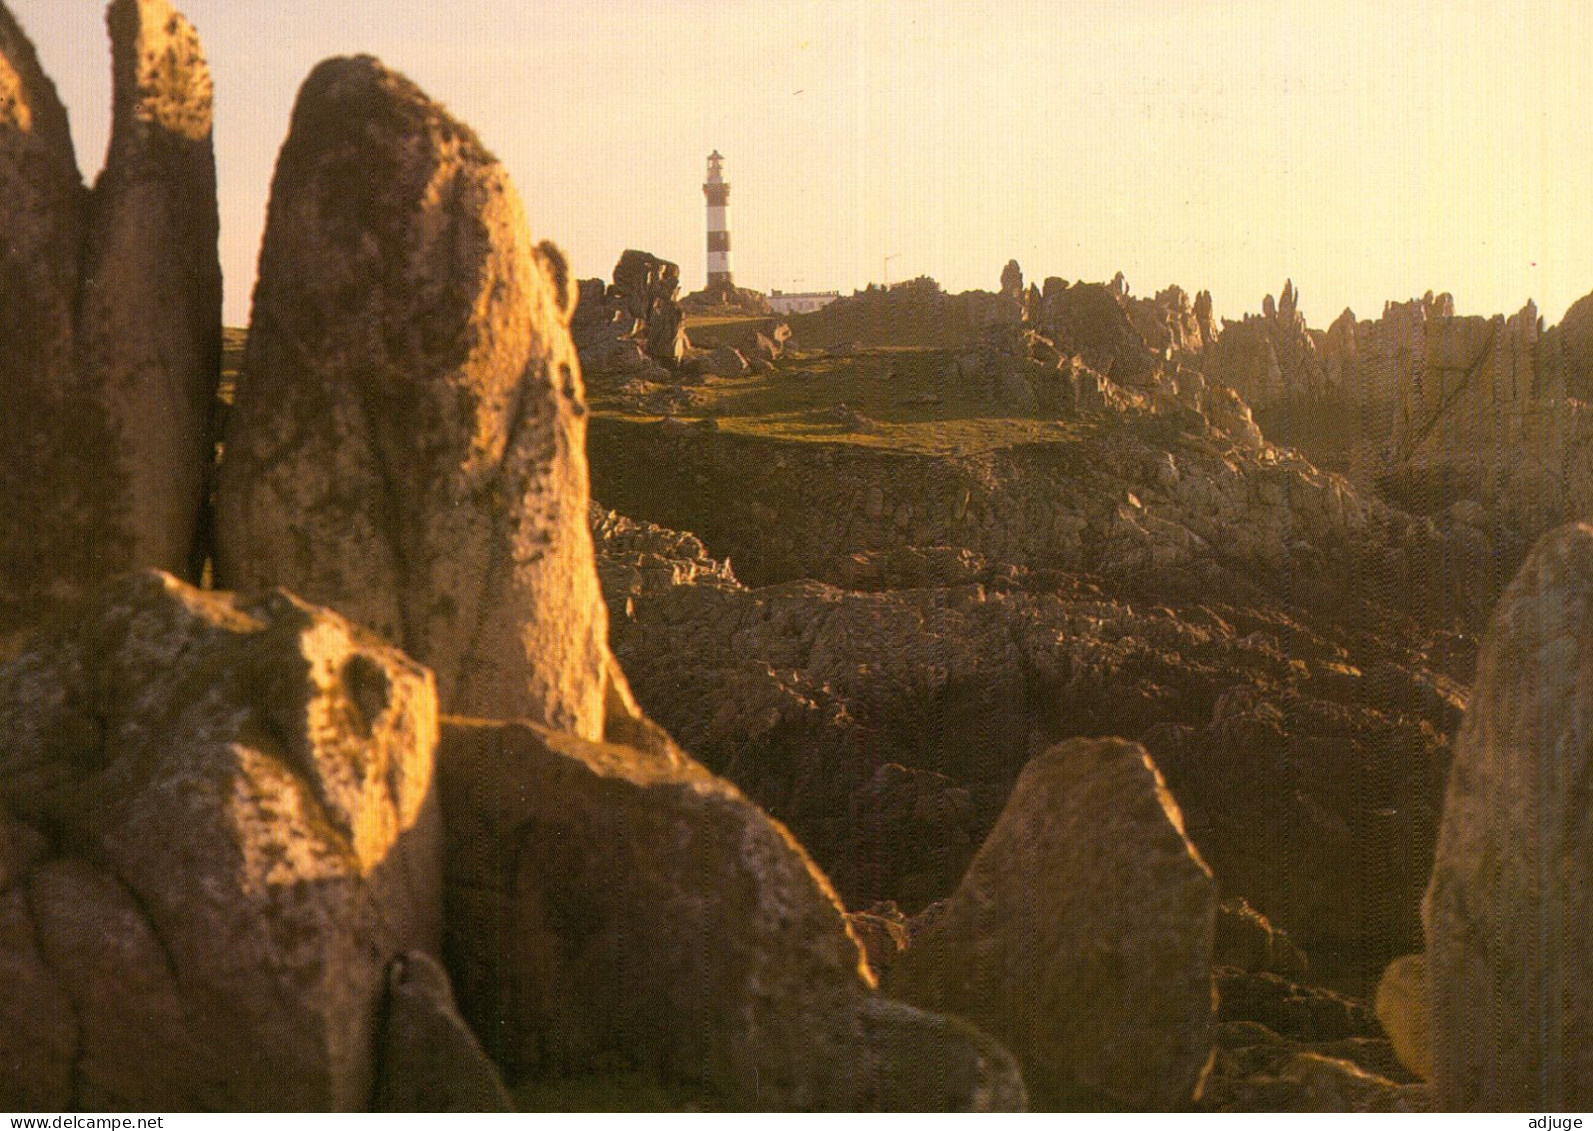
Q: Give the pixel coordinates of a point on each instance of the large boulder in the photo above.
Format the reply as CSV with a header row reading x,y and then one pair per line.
x,y
1081,936
52,467
110,318
149,329
617,910
408,442
1510,905
222,828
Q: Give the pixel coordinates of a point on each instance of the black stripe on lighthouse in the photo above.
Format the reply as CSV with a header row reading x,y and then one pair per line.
x,y
717,191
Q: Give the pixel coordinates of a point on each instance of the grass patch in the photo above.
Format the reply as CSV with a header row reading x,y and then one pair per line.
x,y
709,321
914,398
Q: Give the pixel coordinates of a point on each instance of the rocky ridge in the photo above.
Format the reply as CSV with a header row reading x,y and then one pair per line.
x,y
1435,410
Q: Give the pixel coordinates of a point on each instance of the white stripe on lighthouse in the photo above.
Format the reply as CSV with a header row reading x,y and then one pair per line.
x,y
719,217
718,263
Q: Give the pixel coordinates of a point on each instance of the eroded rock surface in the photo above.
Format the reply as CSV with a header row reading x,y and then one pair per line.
x,y
1431,409
223,827
613,910
408,444
1081,936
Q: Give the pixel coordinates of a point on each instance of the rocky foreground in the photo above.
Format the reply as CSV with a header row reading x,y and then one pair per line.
x,y
1097,760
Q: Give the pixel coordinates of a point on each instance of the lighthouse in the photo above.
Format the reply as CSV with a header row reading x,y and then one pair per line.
x,y
717,190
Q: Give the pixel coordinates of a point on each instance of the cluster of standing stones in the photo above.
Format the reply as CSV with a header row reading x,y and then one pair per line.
x,y
375,823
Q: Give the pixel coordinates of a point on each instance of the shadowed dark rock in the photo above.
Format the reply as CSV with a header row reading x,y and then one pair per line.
x,y
1081,936
613,910
431,1061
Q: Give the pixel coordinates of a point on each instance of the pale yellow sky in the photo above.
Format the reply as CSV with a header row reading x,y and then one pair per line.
x,y
1369,150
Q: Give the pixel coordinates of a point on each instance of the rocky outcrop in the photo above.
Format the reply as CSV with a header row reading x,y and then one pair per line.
x,y
649,288
1282,1046
1143,491
756,339
913,1060
1309,1081
1306,1014
635,325
724,361
726,298
1574,341
615,910
222,828
110,318
883,937
886,728
1062,351
1427,407
1271,358
1089,319
1508,909
1171,324
1247,940
1081,936
407,444
915,312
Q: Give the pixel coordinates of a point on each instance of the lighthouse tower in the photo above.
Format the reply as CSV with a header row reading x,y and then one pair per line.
x,y
717,190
